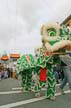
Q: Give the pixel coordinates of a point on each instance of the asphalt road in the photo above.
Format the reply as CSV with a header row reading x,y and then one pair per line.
x,y
11,96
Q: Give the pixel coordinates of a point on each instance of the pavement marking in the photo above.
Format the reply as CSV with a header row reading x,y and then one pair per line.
x,y
10,92
19,91
19,88
28,101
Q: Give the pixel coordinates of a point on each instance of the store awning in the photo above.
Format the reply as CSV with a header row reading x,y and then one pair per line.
x,y
4,57
14,55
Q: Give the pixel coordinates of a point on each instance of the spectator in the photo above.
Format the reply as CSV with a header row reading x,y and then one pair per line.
x,y
0,74
5,73
66,62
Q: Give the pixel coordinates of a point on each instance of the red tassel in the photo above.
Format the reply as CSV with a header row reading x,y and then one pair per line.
x,y
47,53
43,74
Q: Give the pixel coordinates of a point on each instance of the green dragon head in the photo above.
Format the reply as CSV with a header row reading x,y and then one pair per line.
x,y
55,37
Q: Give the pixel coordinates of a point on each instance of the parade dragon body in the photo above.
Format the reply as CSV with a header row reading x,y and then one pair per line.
x,y
55,41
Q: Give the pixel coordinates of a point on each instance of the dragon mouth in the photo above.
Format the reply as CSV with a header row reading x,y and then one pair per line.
x,y
57,46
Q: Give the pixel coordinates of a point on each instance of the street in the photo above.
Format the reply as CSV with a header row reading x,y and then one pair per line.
x,y
11,96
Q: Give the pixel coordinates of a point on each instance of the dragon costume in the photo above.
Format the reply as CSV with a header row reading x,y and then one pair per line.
x,y
25,66
55,41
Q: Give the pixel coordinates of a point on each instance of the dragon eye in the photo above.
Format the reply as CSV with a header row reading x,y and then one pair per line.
x,y
51,32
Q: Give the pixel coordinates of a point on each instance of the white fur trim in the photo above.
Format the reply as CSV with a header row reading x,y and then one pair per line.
x,y
49,38
57,45
50,25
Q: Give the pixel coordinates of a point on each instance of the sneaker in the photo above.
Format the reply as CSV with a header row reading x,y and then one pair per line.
x,y
62,91
37,95
24,89
53,98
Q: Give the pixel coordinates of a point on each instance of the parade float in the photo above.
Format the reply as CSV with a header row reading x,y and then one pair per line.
x,y
55,42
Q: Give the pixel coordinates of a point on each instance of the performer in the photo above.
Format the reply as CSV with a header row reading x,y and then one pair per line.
x,y
66,66
25,67
55,40
45,72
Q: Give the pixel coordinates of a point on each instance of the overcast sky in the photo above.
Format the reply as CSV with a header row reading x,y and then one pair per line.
x,y
20,22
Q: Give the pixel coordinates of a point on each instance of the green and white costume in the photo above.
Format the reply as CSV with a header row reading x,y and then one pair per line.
x,y
55,39
25,67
